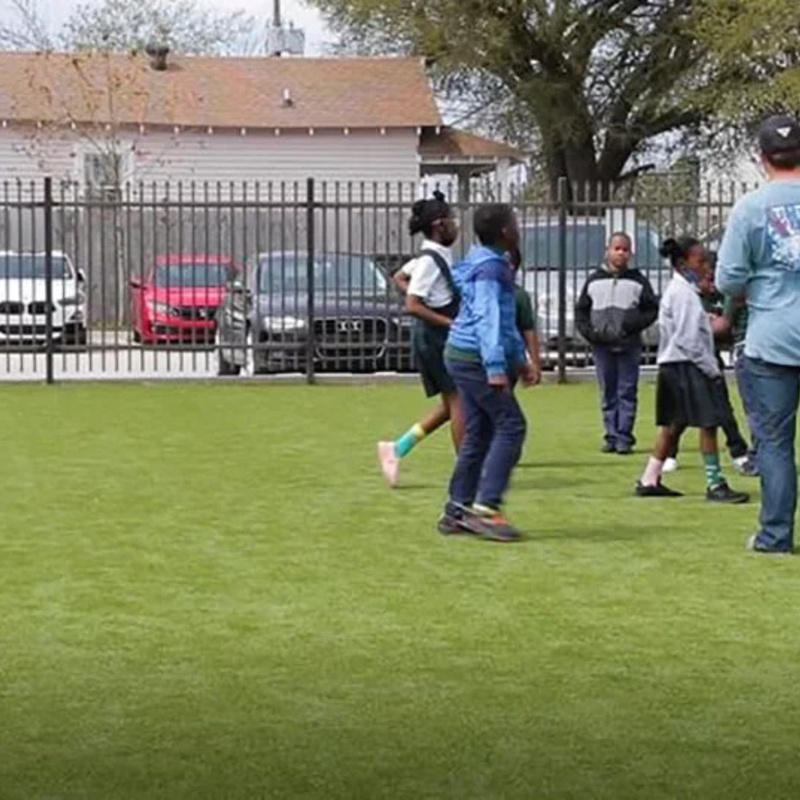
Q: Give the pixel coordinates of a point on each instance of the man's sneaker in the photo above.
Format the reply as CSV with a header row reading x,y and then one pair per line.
x,y
608,448
490,525
755,547
390,463
746,466
722,493
670,465
659,490
624,450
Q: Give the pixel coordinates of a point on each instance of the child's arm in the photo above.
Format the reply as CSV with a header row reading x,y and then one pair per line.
x,y
487,312
535,356
418,309
646,313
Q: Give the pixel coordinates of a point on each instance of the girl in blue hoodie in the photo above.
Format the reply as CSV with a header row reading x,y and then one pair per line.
x,y
485,354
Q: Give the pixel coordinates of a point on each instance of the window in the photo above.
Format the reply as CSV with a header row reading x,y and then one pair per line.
x,y
103,174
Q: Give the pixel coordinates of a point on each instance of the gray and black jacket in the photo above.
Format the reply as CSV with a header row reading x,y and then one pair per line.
x,y
614,308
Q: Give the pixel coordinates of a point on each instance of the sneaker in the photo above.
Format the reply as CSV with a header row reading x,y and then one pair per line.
x,y
390,463
624,450
608,448
451,524
490,525
724,494
754,546
659,490
670,465
747,468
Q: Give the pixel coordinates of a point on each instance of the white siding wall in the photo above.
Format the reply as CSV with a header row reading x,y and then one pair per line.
x,y
368,157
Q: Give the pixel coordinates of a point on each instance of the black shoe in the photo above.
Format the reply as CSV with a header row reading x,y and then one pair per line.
x,y
608,448
451,523
723,493
659,490
490,526
624,450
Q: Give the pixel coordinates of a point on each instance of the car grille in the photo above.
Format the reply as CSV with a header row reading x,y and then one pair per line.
x,y
196,313
39,308
12,308
350,339
23,330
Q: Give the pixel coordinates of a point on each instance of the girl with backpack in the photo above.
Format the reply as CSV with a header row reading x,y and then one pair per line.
x,y
432,299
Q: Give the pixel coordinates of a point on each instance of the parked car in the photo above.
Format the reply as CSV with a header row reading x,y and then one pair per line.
x,y
23,300
358,321
586,241
177,301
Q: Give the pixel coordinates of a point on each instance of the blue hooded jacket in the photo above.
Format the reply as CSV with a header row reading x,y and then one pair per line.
x,y
486,329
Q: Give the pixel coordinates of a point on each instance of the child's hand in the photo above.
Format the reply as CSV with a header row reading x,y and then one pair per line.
x,y
499,382
531,375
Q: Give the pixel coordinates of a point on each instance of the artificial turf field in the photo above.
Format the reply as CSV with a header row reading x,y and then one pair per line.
x,y
207,592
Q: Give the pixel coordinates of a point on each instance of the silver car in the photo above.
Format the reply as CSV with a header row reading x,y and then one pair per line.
x,y
586,239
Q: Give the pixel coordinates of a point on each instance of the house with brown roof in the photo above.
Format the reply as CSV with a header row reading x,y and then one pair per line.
x,y
94,120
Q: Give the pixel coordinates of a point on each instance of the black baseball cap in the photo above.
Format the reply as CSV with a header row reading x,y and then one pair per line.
x,y
779,134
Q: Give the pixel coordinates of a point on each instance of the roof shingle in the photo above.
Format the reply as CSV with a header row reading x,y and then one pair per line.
x,y
96,88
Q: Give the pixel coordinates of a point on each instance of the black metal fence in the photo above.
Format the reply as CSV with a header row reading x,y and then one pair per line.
x,y
160,280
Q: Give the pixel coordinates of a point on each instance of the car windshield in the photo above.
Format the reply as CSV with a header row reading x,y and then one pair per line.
x,y
333,274
18,265
192,275
586,246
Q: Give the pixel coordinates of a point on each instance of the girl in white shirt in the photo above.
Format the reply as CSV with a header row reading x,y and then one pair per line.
x,y
432,299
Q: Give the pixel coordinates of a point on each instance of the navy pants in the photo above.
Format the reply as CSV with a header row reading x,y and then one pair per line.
x,y
493,438
618,376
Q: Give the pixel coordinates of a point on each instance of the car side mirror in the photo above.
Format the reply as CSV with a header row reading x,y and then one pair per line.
x,y
81,275
135,283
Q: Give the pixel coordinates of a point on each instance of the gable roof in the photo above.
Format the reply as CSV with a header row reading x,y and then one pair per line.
x,y
453,146
195,91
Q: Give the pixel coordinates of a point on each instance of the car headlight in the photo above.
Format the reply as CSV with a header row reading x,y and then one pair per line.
x,y
283,324
73,300
160,308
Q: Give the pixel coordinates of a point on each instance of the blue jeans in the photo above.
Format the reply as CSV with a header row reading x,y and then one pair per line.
x,y
494,432
618,376
776,395
744,383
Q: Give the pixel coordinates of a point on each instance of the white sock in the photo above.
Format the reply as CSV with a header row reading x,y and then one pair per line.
x,y
652,472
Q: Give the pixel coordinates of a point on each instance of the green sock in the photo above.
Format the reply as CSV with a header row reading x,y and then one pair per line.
x,y
714,476
409,440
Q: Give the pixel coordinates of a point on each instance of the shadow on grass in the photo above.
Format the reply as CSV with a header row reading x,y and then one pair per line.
x,y
606,532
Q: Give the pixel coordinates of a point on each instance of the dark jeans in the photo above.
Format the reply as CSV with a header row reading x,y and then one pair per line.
x,y
618,376
744,382
776,394
735,442
493,438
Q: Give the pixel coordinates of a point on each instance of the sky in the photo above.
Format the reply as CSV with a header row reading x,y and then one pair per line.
x,y
295,11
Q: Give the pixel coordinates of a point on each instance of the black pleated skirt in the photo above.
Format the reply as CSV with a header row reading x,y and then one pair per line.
x,y
686,396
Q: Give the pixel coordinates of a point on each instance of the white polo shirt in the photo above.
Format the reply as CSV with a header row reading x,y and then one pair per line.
x,y
426,279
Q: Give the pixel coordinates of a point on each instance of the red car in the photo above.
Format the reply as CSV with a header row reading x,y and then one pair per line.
x,y
178,300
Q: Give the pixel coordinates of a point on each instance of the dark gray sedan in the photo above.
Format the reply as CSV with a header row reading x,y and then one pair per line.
x,y
354,324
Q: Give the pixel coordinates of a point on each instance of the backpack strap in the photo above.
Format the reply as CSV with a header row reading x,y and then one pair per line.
x,y
446,272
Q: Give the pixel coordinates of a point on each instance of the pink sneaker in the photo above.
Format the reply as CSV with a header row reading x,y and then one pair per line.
x,y
390,463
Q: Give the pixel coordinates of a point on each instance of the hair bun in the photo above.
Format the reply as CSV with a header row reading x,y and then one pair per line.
x,y
669,249
438,195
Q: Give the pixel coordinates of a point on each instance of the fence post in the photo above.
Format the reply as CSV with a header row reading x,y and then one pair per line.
x,y
48,276
310,334
563,210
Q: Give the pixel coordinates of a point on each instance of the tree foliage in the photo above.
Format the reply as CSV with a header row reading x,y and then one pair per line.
x,y
592,84
124,26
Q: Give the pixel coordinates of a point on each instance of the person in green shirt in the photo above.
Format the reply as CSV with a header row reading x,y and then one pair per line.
x,y
526,325
735,316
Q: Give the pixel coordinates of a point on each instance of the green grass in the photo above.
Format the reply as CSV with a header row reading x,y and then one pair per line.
x,y
207,592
